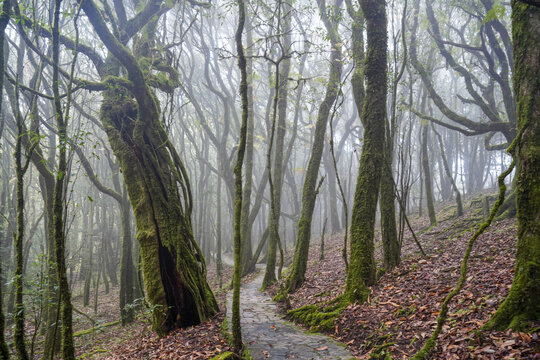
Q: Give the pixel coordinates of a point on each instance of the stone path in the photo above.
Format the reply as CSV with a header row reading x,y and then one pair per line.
x,y
269,337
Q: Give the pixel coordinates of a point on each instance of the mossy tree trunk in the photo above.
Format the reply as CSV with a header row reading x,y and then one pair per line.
x,y
46,184
358,90
68,347
521,306
158,189
387,204
127,269
309,192
219,261
361,270
283,66
248,165
242,65
4,20
21,166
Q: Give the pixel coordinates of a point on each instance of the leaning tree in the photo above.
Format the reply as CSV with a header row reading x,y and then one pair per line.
x,y
157,184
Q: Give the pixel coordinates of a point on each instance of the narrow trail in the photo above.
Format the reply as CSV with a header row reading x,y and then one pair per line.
x,y
267,336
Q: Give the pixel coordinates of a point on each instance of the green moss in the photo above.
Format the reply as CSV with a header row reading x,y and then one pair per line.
x,y
95,328
225,331
228,355
381,352
521,307
310,189
93,352
361,270
405,311
317,318
380,272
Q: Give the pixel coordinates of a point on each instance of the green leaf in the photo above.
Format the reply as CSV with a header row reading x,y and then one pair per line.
x,y
497,12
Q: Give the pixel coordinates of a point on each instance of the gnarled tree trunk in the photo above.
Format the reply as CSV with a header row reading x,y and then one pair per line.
x,y
159,192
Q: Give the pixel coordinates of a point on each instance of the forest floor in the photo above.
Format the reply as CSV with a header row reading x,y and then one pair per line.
x,y
402,309
138,341
399,315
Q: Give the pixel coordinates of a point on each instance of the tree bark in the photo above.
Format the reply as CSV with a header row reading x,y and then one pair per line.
x,y
309,192
361,270
459,203
283,67
248,165
4,20
427,174
159,191
242,65
521,306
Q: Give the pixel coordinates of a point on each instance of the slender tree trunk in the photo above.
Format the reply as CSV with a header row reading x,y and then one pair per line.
x,y
236,329
127,269
4,20
89,266
276,176
387,204
427,174
521,306
248,164
309,192
335,224
361,270
459,203
68,348
219,262
20,169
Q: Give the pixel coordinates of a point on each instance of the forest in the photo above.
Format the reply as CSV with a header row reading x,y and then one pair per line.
x,y
281,179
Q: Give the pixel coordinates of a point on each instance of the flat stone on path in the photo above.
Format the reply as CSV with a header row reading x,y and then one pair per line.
x,y
267,336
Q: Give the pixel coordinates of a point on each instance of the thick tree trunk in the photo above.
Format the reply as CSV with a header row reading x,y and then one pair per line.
x,y
159,192
172,263
361,270
521,305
